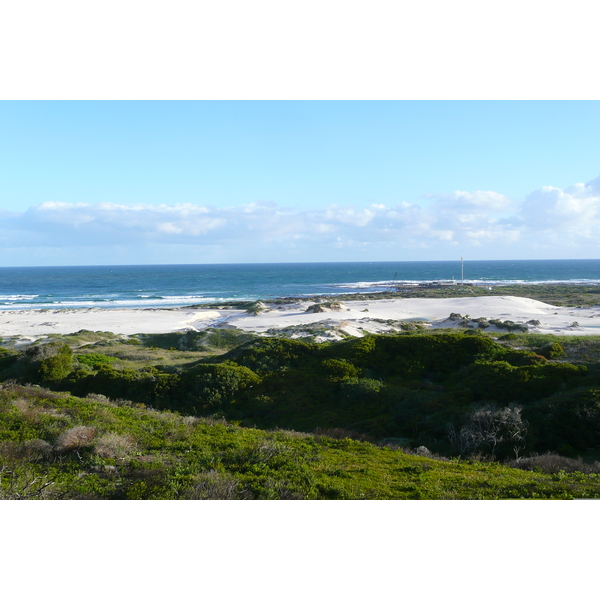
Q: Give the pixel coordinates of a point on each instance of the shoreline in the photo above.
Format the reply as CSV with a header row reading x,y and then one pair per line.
x,y
561,293
334,318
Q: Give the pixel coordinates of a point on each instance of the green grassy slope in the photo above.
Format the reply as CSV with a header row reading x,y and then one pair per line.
x,y
54,445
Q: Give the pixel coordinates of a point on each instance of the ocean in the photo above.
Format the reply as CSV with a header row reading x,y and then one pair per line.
x,y
155,286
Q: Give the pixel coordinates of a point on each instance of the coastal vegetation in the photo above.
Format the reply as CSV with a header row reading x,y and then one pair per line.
x,y
228,414
576,295
57,446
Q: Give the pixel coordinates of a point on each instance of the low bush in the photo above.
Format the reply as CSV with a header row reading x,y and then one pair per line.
x,y
554,463
113,445
339,370
212,485
33,450
509,325
75,438
551,350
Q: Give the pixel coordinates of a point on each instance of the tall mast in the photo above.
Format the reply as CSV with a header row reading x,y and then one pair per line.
x,y
462,269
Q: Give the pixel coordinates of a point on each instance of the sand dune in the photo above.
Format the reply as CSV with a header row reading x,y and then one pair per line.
x,y
435,312
355,318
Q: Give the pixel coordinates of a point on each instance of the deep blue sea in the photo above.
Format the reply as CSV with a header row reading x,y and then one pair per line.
x,y
151,286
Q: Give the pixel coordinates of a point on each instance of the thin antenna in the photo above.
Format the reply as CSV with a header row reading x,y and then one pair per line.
x,y
462,269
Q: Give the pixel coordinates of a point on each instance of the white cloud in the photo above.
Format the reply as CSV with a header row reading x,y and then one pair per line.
x,y
474,202
548,220
575,209
349,216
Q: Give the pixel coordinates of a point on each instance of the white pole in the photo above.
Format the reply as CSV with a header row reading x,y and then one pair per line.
x,y
462,269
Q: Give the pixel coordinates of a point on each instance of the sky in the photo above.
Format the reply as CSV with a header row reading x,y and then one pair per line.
x,y
158,182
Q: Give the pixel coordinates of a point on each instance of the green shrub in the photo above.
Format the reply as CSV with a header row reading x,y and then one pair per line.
x,y
7,358
206,389
551,350
339,370
567,419
358,351
95,360
58,366
521,358
272,354
510,325
115,383
361,390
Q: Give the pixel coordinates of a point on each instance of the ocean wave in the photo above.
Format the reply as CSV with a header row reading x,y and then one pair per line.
x,y
368,284
13,297
165,302
361,285
526,282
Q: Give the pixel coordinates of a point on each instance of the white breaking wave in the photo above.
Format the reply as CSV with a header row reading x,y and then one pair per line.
x,y
164,302
13,297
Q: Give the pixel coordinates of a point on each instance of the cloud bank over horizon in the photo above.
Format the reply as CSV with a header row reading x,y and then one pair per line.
x,y
548,223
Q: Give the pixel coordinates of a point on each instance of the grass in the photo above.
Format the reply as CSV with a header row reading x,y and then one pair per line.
x,y
172,351
578,348
55,445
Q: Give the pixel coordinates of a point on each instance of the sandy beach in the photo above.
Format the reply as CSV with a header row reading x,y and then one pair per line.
x,y
355,318
33,324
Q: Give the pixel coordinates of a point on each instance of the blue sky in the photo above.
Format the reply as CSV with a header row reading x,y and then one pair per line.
x,y
131,182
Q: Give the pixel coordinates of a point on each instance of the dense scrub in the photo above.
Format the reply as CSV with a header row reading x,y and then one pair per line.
x,y
453,393
57,446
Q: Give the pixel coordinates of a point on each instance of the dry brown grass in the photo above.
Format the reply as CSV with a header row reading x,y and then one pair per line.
x,y
339,433
293,433
75,438
212,485
554,463
283,489
22,405
113,445
32,412
101,398
28,451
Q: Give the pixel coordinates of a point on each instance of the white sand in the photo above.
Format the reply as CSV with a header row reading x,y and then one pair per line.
x,y
36,323
352,319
